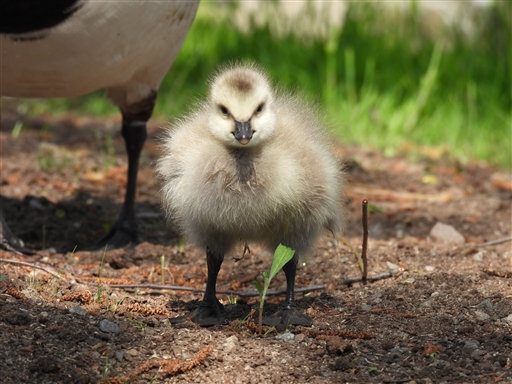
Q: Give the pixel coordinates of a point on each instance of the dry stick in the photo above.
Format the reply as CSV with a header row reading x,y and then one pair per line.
x,y
365,241
222,291
349,280
33,265
494,242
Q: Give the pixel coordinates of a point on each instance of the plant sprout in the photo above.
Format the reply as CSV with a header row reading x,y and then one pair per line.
x,y
282,255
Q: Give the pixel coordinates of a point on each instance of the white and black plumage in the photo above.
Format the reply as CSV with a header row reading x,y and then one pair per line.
x,y
64,48
250,165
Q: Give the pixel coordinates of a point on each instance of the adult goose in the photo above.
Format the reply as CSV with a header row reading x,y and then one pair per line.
x,y
66,48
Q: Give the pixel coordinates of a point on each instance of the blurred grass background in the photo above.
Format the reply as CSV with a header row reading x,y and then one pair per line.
x,y
388,77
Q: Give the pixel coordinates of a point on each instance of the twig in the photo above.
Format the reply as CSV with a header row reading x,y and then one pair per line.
x,y
349,280
33,265
201,290
365,240
494,242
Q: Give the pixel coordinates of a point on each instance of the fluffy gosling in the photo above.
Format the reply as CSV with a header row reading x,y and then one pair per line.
x,y
250,165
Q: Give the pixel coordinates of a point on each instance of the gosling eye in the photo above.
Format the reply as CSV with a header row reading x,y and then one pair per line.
x,y
260,108
224,110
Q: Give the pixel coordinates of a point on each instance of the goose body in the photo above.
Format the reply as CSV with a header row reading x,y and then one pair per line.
x,y
126,47
66,48
281,183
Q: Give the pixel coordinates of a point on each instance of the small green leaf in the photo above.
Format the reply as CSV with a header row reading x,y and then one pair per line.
x,y
282,255
3,277
259,287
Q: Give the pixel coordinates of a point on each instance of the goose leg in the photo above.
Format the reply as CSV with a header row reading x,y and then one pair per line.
x,y
125,231
210,311
9,242
289,313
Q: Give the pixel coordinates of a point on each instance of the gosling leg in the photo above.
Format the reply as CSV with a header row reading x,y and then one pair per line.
x,y
210,311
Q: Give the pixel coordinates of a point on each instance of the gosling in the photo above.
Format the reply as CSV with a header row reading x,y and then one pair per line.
x,y
250,165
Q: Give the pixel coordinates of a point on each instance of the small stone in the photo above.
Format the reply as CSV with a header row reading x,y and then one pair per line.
x,y
133,352
408,281
392,266
434,294
366,307
486,304
429,268
471,345
108,326
119,355
446,233
427,303
478,354
35,204
231,343
287,336
508,319
78,310
301,337
478,256
482,315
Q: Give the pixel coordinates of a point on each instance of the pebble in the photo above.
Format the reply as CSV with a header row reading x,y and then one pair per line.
x,y
35,204
287,336
471,345
427,303
108,326
231,343
478,353
366,307
446,233
78,310
486,304
508,319
482,315
119,355
391,266
478,256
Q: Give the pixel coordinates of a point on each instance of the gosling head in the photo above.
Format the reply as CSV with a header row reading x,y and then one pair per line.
x,y
240,103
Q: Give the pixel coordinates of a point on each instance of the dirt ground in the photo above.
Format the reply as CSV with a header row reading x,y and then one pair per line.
x,y
445,315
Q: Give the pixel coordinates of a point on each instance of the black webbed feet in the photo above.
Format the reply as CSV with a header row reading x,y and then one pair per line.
x,y
122,234
285,316
206,315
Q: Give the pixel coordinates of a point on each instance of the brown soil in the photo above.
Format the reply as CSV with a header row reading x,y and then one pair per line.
x,y
444,317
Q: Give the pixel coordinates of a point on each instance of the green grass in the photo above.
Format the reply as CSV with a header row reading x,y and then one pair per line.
x,y
382,80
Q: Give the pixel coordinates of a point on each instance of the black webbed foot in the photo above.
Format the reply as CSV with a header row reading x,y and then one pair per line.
x,y
9,242
122,234
205,315
14,245
286,316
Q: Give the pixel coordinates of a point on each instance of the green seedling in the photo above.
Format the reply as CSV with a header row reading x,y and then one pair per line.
x,y
282,255
162,268
16,130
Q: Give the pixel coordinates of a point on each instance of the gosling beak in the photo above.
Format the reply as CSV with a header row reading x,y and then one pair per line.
x,y
243,131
